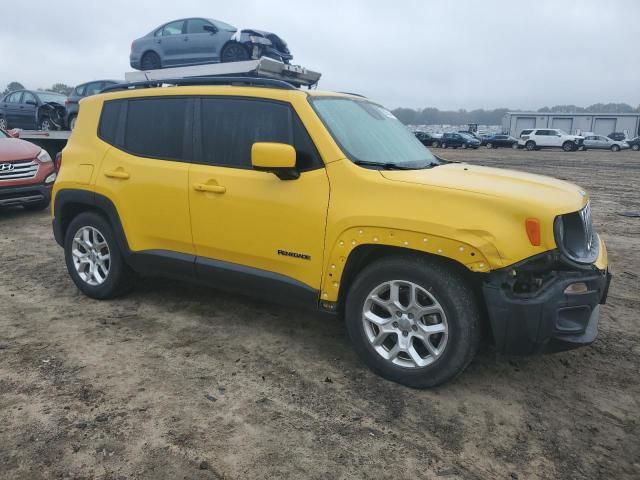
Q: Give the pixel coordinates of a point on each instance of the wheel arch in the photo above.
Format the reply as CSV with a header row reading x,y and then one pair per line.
x,y
69,203
357,247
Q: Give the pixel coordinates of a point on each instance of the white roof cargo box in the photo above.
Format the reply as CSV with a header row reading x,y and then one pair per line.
x,y
263,67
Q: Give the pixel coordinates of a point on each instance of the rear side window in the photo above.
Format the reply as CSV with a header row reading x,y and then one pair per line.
x,y
155,128
109,118
231,126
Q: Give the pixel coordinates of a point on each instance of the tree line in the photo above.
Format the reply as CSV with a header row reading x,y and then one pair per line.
x,y
56,87
433,116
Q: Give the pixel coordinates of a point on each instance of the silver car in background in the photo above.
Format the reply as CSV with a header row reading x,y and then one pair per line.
x,y
605,143
194,41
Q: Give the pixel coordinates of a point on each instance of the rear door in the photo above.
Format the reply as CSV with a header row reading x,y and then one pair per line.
x,y
12,110
145,172
256,222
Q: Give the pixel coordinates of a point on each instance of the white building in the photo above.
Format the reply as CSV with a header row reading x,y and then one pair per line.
x,y
575,123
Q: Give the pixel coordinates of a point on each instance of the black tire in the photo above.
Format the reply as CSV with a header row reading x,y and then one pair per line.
x,y
234,52
45,124
444,145
465,146
515,146
530,145
36,207
489,145
635,147
569,146
72,122
615,148
4,125
151,61
119,276
451,291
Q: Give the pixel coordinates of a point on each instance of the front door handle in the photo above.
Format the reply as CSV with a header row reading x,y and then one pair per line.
x,y
119,174
205,187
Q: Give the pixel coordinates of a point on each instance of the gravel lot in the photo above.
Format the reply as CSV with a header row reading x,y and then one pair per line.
x,y
175,381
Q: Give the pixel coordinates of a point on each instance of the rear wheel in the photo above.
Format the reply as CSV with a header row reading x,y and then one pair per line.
x,y
615,148
151,61
3,124
489,145
634,147
93,258
569,146
514,146
413,320
434,144
464,145
234,52
72,122
530,145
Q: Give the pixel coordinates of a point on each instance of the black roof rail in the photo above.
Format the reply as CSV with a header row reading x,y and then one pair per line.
x,y
246,81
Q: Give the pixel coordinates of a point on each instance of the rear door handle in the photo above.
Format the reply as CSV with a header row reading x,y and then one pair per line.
x,y
119,174
204,187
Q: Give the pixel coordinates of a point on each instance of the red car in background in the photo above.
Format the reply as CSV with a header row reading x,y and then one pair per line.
x,y
26,174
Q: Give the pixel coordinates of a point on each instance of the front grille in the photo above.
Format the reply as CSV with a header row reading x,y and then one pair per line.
x,y
575,235
11,171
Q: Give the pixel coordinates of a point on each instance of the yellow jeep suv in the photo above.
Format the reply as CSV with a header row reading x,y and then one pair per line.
x,y
325,200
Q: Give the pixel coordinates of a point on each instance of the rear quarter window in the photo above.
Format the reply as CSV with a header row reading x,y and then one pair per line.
x,y
109,118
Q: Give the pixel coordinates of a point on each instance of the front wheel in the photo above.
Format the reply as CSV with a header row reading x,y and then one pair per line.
x,y
514,146
434,144
569,146
465,146
413,320
234,52
489,145
615,148
94,261
530,145
45,125
635,147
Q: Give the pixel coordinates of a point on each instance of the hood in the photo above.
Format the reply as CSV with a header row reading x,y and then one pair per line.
x,y
15,149
525,188
277,42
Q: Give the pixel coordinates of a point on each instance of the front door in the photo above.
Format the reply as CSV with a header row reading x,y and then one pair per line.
x,y
146,171
204,45
27,111
246,219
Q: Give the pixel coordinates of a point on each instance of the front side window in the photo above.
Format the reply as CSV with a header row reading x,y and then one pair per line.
x,y
367,132
46,97
173,28
196,25
155,128
231,126
29,97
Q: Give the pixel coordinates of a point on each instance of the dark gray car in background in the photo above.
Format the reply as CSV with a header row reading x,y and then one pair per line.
x,y
194,41
78,93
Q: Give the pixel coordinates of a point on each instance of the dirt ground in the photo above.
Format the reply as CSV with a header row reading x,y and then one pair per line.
x,y
175,381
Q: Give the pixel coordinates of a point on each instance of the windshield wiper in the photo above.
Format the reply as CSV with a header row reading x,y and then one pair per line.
x,y
391,165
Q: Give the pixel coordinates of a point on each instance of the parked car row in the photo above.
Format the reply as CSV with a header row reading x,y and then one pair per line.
x,y
465,140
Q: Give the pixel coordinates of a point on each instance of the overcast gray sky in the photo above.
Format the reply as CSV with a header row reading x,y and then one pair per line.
x,y
445,54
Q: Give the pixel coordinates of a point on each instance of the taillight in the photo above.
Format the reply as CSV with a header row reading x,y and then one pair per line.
x,y
67,102
57,163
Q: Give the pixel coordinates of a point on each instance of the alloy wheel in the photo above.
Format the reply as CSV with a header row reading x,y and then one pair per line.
x,y
91,256
405,324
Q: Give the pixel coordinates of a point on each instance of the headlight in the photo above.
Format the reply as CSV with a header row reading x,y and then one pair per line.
x,y
575,236
260,40
43,156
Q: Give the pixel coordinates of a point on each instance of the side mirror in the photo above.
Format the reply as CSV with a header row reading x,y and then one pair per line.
x,y
276,158
211,29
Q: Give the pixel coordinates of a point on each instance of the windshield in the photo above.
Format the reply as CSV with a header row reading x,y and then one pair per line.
x,y
51,97
367,132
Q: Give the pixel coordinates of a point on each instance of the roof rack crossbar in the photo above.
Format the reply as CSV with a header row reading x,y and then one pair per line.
x,y
238,80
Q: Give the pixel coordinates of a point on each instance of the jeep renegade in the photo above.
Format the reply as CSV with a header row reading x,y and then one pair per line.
x,y
326,200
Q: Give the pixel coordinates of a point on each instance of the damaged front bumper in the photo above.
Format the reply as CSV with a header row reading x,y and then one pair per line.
x,y
545,304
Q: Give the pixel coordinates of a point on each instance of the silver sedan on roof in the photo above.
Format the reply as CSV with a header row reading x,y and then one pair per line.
x,y
606,143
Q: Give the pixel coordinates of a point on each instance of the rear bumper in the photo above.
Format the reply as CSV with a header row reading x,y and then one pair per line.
x,y
549,320
24,195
